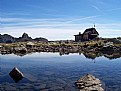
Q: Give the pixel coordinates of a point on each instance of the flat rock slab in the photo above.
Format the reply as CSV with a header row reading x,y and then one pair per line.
x,y
89,83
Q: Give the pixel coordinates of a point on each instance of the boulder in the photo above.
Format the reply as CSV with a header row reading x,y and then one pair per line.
x,y
16,74
89,83
21,49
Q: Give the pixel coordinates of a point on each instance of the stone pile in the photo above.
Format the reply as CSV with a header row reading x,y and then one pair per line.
x,y
89,83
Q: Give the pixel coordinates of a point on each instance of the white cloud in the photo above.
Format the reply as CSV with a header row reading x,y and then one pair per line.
x,y
97,8
61,33
50,33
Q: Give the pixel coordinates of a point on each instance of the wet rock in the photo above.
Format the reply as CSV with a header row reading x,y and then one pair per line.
x,y
61,81
40,86
10,88
45,90
89,83
26,88
2,88
16,74
56,88
48,73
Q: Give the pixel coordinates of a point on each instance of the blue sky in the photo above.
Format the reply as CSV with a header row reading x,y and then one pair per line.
x,y
60,19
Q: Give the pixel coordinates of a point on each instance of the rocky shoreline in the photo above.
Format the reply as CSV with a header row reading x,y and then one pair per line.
x,y
90,51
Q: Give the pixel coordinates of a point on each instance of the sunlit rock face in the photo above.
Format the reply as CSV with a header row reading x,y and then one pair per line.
x,y
89,83
16,74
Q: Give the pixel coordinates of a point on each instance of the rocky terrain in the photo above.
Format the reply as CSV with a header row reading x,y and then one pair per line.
x,y
5,38
92,51
108,47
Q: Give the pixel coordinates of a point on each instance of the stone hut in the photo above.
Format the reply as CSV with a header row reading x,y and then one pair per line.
x,y
88,34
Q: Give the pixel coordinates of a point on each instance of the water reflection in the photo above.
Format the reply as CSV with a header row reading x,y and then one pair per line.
x,y
94,55
89,55
51,72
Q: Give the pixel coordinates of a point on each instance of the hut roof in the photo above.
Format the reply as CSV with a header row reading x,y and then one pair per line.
x,y
92,31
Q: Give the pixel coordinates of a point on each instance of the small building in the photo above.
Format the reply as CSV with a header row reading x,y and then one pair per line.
x,y
88,34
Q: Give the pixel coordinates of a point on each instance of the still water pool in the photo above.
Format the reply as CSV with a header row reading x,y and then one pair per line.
x,y
52,72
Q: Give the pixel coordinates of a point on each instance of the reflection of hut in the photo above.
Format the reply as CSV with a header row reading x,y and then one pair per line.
x,y
90,55
30,45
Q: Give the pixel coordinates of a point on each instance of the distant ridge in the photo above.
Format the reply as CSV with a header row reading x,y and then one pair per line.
x,y
6,38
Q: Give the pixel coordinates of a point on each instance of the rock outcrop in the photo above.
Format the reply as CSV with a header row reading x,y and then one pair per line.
x,y
16,74
25,37
6,38
41,39
89,83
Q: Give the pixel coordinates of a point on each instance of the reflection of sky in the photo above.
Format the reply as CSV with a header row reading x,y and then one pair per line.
x,y
49,55
44,54
36,55
60,18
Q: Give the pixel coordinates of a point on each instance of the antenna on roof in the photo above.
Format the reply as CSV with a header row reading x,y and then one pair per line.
x,y
94,25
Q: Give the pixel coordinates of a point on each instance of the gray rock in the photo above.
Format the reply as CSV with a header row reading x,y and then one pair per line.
x,y
89,83
40,86
20,49
6,38
56,88
10,88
